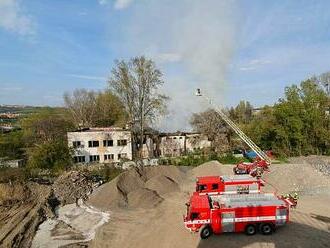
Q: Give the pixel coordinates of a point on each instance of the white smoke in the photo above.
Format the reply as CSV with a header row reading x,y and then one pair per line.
x,y
198,38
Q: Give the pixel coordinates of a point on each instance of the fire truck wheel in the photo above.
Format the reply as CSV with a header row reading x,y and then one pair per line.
x,y
205,232
250,229
266,229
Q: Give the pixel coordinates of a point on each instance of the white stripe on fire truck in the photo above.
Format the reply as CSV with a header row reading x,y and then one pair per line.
x,y
227,192
243,219
235,192
258,218
198,222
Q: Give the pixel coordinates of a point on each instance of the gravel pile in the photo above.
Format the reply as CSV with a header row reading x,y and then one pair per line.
x,y
139,187
320,163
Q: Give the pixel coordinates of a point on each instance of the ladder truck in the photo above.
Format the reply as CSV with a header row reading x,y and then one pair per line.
x,y
261,163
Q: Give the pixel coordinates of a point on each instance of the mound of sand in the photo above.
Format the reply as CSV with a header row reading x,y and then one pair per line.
x,y
130,181
143,198
206,169
138,187
172,172
162,184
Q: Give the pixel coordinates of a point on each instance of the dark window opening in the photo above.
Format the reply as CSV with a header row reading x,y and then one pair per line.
x,y
94,158
121,142
93,143
76,144
79,159
109,157
107,143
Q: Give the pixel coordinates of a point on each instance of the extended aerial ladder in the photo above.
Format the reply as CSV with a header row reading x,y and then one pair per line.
x,y
262,162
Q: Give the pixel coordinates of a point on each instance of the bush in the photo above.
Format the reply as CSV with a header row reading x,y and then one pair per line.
x,y
107,173
230,159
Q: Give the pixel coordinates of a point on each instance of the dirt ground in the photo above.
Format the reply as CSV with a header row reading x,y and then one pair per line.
x,y
146,208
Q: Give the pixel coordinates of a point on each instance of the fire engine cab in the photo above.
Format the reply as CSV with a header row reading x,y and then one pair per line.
x,y
233,184
249,213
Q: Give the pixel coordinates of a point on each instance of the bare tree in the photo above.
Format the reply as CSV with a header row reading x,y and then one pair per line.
x,y
136,83
82,105
211,124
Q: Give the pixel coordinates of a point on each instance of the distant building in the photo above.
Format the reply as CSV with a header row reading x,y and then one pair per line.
x,y
15,163
103,145
107,145
180,143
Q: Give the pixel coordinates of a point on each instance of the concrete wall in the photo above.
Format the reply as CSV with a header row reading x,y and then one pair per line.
x,y
114,135
176,145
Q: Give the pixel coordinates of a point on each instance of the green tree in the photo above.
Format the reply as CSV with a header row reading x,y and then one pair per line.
x,y
53,155
298,124
46,140
48,125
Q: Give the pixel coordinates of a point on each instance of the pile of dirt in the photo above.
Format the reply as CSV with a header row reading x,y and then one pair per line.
x,y
138,187
71,186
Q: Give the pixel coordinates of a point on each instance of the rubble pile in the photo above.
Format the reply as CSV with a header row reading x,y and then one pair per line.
x,y
72,186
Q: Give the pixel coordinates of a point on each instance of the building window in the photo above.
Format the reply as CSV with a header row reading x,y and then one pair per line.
x,y
79,159
76,144
180,138
94,158
107,143
121,142
93,143
109,156
174,138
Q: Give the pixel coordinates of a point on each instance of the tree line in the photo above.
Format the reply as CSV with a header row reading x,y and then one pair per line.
x,y
298,124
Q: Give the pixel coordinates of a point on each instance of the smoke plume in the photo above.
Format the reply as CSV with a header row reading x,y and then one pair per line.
x,y
193,42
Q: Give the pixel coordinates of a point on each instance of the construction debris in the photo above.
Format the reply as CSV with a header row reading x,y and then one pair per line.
x,y
72,186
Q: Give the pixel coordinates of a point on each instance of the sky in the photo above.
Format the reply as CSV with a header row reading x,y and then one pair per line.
x,y
232,50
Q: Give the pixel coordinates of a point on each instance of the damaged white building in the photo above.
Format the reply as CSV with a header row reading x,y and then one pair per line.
x,y
103,145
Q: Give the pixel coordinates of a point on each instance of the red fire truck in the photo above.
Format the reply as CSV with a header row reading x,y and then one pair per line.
x,y
234,184
249,213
